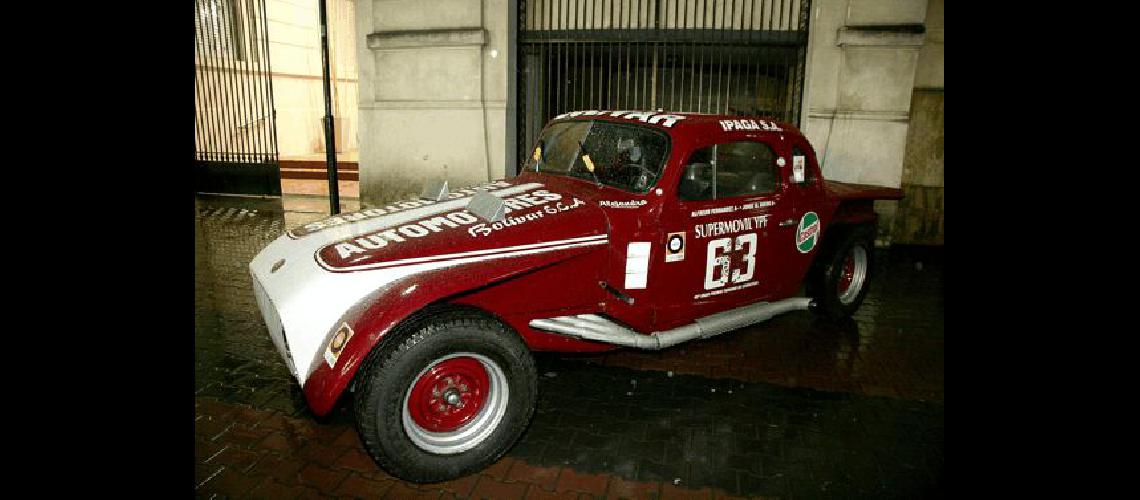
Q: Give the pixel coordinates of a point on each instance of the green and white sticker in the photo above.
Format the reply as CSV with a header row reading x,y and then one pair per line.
x,y
808,233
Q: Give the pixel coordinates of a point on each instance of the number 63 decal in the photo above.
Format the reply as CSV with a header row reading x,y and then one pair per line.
x,y
717,259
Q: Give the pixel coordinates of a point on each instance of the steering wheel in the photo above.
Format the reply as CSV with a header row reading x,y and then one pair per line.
x,y
635,172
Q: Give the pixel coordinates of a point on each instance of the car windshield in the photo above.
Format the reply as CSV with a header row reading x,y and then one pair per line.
x,y
627,157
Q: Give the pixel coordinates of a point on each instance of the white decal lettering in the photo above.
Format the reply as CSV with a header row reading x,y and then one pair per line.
x,y
391,235
463,217
435,223
413,231
373,242
716,259
346,250
669,120
643,116
710,229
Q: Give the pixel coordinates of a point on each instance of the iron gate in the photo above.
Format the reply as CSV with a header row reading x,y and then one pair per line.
x,y
741,57
235,135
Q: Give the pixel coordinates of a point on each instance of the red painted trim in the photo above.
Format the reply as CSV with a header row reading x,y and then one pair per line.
x,y
316,169
351,166
341,175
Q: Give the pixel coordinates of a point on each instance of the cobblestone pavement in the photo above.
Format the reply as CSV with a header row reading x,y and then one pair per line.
x,y
792,408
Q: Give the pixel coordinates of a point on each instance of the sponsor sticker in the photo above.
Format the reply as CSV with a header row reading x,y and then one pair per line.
x,y
730,125
622,204
637,264
712,229
649,117
675,247
731,208
734,288
808,232
798,165
337,343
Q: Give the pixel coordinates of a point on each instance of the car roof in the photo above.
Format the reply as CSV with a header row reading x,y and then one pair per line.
x,y
676,123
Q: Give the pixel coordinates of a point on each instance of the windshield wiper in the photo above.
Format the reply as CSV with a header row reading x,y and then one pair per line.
x,y
587,161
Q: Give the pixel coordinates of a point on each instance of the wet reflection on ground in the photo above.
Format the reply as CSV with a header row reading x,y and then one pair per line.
x,y
795,406
893,346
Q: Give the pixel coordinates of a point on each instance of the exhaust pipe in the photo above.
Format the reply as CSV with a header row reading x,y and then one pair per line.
x,y
602,329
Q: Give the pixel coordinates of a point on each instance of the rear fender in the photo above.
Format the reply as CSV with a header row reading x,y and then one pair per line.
x,y
850,215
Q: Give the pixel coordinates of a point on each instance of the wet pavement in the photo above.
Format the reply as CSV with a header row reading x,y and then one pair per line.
x,y
796,407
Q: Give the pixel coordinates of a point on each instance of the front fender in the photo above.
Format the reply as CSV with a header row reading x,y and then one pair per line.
x,y
377,316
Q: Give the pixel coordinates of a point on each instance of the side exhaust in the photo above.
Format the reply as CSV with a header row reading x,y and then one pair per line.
x,y
601,329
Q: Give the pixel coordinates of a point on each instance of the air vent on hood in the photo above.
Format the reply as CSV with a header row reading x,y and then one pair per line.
x,y
487,206
434,190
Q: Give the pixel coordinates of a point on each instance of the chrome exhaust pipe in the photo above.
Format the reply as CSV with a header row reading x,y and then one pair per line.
x,y
601,329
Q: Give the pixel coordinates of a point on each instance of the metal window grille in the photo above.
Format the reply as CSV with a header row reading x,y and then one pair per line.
x,y
743,57
235,137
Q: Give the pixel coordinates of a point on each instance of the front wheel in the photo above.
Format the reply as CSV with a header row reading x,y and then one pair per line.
x,y
840,285
447,400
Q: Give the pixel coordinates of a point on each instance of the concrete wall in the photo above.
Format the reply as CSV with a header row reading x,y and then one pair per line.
x,y
862,61
432,94
295,59
920,218
433,89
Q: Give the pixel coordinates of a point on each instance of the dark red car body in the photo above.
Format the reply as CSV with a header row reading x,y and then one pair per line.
x,y
493,270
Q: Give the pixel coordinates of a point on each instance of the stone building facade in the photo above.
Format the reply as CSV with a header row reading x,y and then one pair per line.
x,y
438,93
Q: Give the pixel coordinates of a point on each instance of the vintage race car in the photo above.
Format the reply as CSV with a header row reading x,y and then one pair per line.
x,y
634,229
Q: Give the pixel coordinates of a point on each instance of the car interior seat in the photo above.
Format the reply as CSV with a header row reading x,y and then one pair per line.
x,y
696,183
763,182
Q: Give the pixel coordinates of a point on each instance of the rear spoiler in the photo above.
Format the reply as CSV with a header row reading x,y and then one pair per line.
x,y
851,192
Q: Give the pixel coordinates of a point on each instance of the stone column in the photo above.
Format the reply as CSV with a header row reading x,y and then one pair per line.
x,y
920,218
432,94
861,68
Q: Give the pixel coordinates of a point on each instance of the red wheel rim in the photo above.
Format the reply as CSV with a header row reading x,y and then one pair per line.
x,y
847,274
449,394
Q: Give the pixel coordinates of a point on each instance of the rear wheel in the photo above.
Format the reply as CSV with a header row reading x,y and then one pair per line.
x,y
448,400
839,285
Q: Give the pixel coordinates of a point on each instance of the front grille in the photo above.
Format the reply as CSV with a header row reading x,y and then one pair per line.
x,y
273,323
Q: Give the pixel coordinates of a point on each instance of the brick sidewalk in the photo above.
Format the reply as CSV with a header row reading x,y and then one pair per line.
x,y
242,452
738,415
607,432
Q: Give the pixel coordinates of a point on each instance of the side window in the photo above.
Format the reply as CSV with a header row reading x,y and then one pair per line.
x,y
726,170
745,168
697,178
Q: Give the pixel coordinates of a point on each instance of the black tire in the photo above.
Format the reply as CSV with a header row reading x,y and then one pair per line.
x,y
824,282
386,424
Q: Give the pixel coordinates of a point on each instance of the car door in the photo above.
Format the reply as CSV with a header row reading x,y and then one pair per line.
x,y
720,227
805,219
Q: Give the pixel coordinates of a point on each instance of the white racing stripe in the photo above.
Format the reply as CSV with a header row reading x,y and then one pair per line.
x,y
311,301
434,258
508,252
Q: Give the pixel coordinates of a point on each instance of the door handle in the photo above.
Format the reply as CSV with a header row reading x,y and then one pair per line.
x,y
787,222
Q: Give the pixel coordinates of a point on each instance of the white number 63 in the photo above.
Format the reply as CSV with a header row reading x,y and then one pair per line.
x,y
717,260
